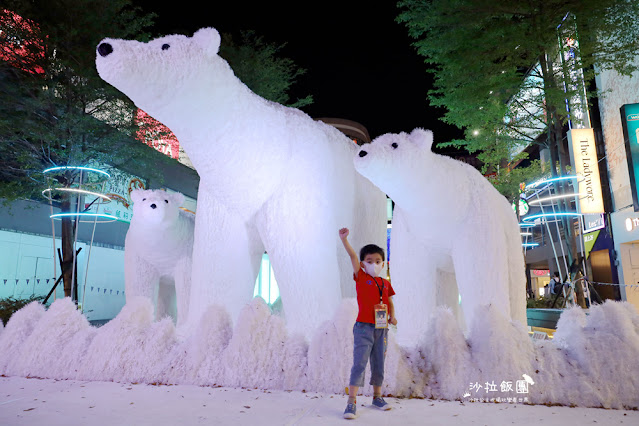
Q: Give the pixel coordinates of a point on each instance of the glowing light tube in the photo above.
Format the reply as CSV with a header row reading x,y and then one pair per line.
x,y
538,216
80,191
541,182
110,218
88,169
555,197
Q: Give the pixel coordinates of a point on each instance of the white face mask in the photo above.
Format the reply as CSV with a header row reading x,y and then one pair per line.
x,y
373,269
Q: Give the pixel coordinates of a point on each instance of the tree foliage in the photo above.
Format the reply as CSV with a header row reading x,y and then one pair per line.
x,y
499,69
53,104
514,73
259,65
54,108
508,180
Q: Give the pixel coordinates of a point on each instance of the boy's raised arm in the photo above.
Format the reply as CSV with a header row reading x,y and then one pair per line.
x,y
343,235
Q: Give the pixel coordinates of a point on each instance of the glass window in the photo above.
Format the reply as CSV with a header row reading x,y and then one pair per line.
x,y
265,284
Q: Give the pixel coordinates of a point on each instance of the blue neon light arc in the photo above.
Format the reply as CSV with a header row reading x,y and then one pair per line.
x,y
103,215
540,182
526,224
88,169
530,244
537,216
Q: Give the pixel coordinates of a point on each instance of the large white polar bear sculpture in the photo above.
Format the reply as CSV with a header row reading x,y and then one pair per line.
x,y
447,217
271,178
158,252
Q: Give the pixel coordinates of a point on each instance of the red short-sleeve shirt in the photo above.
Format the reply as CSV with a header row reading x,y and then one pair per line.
x,y
367,288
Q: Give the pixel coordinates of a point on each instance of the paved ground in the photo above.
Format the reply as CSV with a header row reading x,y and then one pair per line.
x,y
66,402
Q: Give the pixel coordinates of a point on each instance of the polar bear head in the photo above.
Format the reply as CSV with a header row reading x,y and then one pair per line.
x,y
397,163
156,208
166,76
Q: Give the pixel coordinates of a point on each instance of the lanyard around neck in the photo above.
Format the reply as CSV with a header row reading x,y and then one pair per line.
x,y
381,290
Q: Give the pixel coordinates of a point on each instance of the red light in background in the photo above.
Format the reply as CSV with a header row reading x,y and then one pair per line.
x,y
155,134
22,53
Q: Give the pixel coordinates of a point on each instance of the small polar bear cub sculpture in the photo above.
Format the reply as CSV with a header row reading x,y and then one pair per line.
x,y
158,251
449,218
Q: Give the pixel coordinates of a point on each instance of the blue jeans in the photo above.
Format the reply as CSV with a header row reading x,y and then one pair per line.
x,y
369,342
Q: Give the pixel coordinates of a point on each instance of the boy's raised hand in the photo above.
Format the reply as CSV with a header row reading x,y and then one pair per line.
x,y
343,233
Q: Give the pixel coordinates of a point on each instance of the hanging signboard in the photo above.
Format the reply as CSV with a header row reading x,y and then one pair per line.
x,y
118,188
584,155
593,221
630,125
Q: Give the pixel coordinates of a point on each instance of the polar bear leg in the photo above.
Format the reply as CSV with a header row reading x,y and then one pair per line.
x,y
448,295
413,270
304,259
310,289
165,299
226,258
516,276
140,277
182,276
481,269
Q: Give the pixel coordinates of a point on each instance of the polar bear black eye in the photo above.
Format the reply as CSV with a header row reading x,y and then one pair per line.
x,y
166,201
165,46
143,199
394,145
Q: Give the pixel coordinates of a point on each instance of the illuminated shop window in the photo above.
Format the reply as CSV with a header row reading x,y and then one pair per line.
x,y
265,285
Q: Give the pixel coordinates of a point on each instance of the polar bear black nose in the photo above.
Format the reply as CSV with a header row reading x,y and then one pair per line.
x,y
104,49
363,153
153,206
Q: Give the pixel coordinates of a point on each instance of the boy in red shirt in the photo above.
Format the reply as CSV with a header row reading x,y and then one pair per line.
x,y
370,332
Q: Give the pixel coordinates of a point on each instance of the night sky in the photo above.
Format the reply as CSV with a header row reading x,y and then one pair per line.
x,y
360,63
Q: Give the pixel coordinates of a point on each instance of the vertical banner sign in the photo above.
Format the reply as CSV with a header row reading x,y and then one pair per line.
x,y
630,125
582,142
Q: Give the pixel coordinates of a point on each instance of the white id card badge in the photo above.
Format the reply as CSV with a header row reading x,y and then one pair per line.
x,y
381,316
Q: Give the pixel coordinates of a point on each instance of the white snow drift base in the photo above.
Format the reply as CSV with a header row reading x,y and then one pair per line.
x,y
591,362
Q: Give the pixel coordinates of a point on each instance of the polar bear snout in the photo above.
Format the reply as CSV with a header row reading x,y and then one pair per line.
x,y
153,206
363,153
104,49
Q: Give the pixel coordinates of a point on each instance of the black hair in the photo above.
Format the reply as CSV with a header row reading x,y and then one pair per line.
x,y
556,274
371,249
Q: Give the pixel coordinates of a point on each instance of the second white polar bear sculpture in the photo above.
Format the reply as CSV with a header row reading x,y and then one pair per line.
x,y
447,217
157,252
271,178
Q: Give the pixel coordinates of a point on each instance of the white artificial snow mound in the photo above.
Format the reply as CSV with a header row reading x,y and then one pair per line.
x,y
53,331
500,351
592,362
604,349
254,355
295,363
18,328
330,354
204,348
444,358
131,347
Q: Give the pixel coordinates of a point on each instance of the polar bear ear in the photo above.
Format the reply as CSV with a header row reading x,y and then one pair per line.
x,y
137,195
422,138
209,40
177,198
